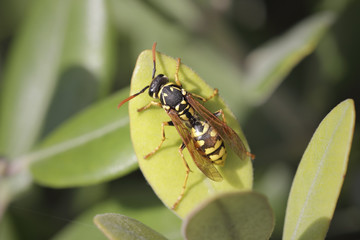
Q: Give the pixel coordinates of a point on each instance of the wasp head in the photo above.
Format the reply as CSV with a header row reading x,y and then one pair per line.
x,y
156,84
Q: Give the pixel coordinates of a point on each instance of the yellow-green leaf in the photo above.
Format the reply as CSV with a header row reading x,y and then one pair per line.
x,y
320,175
60,62
89,148
165,171
241,215
268,65
116,226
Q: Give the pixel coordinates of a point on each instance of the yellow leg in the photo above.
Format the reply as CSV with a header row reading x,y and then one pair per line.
x,y
215,93
181,148
220,112
162,139
177,72
152,103
252,156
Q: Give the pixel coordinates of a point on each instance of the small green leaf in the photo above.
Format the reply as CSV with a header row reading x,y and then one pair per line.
x,y
92,147
241,215
320,175
165,170
268,65
116,226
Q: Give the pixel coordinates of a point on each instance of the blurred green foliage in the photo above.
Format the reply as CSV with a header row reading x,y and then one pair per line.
x,y
62,61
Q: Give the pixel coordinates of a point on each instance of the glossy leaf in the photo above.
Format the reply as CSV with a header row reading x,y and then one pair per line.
x,y
165,171
320,175
92,147
268,65
241,215
116,226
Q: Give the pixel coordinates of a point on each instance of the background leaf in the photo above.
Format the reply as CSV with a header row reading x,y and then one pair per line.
x,y
165,170
320,175
116,226
34,78
91,147
268,65
241,215
86,69
33,83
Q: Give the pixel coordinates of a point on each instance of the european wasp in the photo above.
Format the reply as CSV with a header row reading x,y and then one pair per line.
x,y
202,132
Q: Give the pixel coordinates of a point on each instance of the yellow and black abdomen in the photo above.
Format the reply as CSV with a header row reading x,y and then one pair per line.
x,y
209,141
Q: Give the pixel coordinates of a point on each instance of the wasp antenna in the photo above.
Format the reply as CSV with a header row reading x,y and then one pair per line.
x,y
132,96
154,59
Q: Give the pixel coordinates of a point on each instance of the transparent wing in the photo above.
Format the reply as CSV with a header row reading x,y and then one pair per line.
x,y
227,133
199,157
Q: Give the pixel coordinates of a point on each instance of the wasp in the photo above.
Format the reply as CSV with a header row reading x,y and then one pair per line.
x,y
202,132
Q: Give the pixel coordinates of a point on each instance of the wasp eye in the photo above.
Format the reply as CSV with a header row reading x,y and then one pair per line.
x,y
156,84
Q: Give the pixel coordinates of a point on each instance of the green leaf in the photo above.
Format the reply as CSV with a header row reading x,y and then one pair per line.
x,y
92,147
320,175
89,42
86,67
268,65
30,76
241,215
165,170
41,75
116,226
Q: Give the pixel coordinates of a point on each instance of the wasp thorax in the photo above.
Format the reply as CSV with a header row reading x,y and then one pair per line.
x,y
156,84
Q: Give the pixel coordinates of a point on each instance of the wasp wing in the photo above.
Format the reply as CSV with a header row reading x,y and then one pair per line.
x,y
199,157
227,133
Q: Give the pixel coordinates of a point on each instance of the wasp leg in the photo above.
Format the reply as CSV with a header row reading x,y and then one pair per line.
x,y
215,93
177,72
170,123
152,103
220,113
181,148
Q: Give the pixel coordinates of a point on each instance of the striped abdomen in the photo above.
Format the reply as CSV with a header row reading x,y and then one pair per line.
x,y
209,141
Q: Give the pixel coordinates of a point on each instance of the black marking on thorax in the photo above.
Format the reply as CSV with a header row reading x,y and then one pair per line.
x,y
171,95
